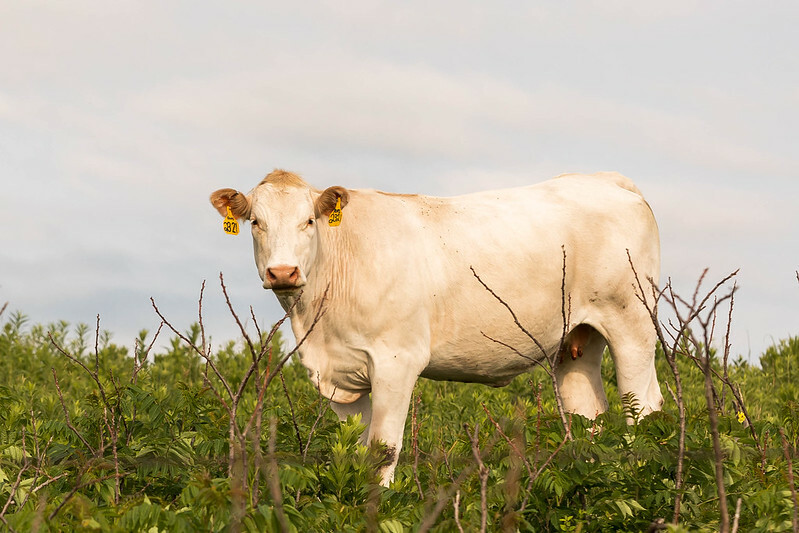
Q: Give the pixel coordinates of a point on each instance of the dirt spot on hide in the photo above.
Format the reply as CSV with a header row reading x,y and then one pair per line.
x,y
383,455
388,456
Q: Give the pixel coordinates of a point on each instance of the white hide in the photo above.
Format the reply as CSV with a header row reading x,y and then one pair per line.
x,y
403,301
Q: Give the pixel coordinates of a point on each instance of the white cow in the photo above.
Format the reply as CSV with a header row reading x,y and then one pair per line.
x,y
403,301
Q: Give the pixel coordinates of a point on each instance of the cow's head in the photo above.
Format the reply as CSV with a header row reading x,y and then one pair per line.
x,y
284,212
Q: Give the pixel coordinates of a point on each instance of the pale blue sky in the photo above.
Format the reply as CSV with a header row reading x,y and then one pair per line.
x,y
118,119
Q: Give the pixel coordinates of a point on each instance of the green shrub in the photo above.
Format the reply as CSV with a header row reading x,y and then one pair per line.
x,y
170,469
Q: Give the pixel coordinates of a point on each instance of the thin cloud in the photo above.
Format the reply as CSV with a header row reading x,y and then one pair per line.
x,y
130,114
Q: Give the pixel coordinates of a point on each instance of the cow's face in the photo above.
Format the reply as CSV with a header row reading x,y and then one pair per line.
x,y
283,235
284,220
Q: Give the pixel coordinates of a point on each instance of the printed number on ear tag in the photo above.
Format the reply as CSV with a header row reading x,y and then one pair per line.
x,y
335,216
230,225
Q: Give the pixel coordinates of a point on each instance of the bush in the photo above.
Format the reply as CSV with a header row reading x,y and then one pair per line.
x,y
107,441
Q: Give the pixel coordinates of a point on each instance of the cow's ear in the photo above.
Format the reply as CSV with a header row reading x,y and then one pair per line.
x,y
327,200
239,203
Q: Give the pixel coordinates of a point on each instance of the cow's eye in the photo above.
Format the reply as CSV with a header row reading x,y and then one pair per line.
x,y
310,222
254,223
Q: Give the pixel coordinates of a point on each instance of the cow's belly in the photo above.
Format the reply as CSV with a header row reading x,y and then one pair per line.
x,y
474,358
498,373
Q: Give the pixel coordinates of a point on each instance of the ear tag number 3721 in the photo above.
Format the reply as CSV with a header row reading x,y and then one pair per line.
x,y
230,225
335,216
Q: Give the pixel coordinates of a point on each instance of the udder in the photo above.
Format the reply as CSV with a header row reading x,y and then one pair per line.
x,y
575,341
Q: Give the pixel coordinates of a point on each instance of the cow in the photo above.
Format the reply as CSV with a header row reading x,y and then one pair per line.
x,y
404,277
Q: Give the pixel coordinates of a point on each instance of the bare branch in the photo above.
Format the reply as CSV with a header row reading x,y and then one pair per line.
x,y
510,442
703,310
566,438
512,313
564,313
267,346
517,352
320,312
197,350
319,415
291,410
238,322
456,504
94,375
717,452
269,376
483,474
77,487
444,497
274,480
15,485
51,480
737,515
200,318
66,415
96,347
255,323
727,346
415,444
787,454
551,359
669,352
139,356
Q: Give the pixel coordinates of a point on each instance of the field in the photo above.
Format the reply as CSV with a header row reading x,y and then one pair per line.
x,y
95,436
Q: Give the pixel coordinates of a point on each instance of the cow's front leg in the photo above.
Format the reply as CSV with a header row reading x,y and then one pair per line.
x,y
362,406
391,396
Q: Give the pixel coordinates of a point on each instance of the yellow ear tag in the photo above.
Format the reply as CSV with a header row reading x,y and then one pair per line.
x,y
335,216
230,225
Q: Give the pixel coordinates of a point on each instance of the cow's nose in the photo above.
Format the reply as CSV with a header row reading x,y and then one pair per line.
x,y
283,276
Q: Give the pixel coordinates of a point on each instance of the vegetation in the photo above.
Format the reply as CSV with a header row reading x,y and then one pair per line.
x,y
99,437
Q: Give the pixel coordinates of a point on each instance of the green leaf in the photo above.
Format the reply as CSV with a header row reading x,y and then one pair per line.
x,y
392,526
624,508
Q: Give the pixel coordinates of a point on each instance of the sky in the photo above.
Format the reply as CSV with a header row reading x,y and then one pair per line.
x,y
118,119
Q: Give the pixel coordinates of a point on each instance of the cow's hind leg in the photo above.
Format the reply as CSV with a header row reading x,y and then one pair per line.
x,y
578,372
362,406
632,346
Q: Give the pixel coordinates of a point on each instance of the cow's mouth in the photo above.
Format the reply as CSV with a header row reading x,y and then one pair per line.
x,y
285,288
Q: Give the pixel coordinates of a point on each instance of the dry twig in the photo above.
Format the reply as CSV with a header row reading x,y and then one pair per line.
x,y
737,515
230,399
66,415
15,485
415,446
786,452
703,311
550,358
519,453
274,480
483,474
443,497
